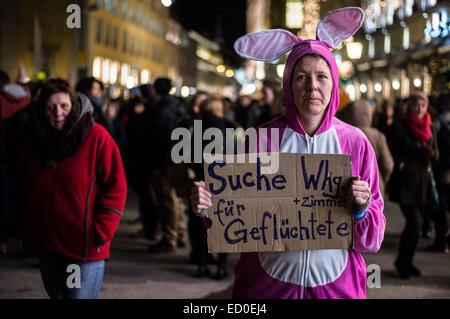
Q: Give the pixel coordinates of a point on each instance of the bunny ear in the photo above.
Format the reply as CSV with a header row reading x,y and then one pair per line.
x,y
339,25
266,45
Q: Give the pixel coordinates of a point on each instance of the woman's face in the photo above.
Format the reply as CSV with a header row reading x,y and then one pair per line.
x,y
419,108
311,86
112,111
57,109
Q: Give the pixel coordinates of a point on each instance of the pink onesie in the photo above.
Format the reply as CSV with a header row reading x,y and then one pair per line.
x,y
333,273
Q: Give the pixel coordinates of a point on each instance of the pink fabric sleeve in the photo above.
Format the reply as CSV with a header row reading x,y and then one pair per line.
x,y
369,230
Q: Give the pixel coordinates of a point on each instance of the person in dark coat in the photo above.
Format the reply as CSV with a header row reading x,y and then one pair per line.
x,y
212,115
442,172
139,163
114,125
13,105
93,89
169,205
414,148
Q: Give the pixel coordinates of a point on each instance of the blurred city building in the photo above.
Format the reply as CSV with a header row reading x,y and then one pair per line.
x,y
403,45
124,43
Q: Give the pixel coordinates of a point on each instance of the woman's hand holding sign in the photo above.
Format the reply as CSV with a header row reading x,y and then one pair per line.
x,y
359,193
200,197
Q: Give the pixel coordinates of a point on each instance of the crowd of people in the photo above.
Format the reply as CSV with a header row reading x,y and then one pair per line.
x,y
411,142
83,148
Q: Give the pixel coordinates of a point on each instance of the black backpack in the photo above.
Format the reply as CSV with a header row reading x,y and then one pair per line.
x,y
443,140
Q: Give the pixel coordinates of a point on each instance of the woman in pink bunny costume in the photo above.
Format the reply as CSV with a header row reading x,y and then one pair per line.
x,y
311,98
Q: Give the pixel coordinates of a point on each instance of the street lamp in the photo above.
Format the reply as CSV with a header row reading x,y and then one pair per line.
x,y
229,73
220,68
378,87
166,3
363,88
395,84
354,50
417,82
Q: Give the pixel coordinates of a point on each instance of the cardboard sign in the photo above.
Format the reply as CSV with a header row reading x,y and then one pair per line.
x,y
300,207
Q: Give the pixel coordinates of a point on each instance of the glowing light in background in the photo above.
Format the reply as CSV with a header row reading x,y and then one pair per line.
x,y
294,14
354,50
185,91
166,3
130,81
113,72
395,84
145,76
378,87
229,73
124,73
363,88
105,70
220,68
351,90
280,70
248,88
97,67
417,82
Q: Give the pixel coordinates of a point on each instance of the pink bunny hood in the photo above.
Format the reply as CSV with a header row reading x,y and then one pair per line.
x,y
269,45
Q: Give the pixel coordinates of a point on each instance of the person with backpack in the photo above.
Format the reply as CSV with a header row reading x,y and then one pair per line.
x,y
441,169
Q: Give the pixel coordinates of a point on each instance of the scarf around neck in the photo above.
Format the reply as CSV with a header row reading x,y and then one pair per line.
x,y
420,128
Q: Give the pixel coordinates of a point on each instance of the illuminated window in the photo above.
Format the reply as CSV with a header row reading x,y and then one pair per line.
x,y
294,14
124,10
387,43
409,7
105,70
97,67
371,48
132,12
406,38
124,72
113,71
115,6
145,76
108,5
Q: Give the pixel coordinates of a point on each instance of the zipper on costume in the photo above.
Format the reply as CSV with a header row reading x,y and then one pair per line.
x,y
302,282
307,252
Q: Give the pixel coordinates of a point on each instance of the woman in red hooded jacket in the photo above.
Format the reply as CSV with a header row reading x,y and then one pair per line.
x,y
72,192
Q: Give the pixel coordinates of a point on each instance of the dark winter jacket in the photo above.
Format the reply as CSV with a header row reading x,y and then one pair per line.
x,y
13,100
166,110
410,184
